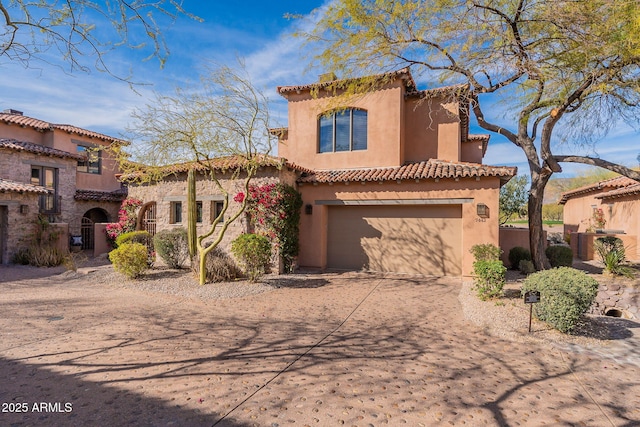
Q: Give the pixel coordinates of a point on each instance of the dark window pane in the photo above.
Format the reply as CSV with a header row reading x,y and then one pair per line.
x,y
326,134
198,211
359,130
35,176
343,127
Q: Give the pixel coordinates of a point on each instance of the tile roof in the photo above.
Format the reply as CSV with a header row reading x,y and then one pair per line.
x,y
430,169
219,163
629,190
29,147
613,183
100,196
7,186
42,126
404,73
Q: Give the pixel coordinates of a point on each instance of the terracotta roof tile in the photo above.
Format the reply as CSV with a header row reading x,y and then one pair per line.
x,y
29,147
404,72
42,126
629,190
20,187
100,196
618,182
430,169
222,164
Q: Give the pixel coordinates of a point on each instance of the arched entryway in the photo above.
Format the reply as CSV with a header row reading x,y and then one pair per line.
x,y
90,217
147,218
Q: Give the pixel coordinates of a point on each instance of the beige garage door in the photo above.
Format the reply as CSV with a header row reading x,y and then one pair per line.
x,y
423,239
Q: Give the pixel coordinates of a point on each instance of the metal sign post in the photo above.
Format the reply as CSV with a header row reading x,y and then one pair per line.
x,y
531,297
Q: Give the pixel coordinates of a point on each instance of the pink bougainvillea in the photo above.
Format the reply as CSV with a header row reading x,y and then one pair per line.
x,y
126,220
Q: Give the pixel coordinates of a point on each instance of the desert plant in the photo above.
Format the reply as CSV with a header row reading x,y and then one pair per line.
x,y
611,251
41,250
253,252
526,266
129,259
486,252
490,278
141,236
559,256
219,266
566,294
171,245
516,254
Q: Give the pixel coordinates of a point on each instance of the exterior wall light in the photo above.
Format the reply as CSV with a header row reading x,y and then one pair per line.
x,y
308,209
482,210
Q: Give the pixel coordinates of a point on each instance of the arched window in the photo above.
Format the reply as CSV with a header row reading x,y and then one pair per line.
x,y
344,130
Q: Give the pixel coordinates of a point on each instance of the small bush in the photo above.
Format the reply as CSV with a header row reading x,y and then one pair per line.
x,y
518,254
486,252
526,267
253,252
611,251
129,259
171,245
490,278
143,237
40,256
219,265
565,295
559,256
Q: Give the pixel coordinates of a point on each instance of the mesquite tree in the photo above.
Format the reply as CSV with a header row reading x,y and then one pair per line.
x,y
567,70
224,117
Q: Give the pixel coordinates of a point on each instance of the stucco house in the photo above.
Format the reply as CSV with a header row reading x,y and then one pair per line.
x,y
398,182
391,180
617,201
56,170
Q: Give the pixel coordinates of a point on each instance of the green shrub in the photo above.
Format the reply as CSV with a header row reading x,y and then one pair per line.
x,y
490,278
611,251
486,252
171,245
517,254
526,266
559,256
40,256
565,295
219,265
129,259
143,237
253,252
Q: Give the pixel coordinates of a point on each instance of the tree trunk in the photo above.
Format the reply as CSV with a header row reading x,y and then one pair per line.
x,y
536,231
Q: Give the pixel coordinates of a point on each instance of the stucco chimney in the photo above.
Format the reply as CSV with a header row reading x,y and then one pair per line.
x,y
12,111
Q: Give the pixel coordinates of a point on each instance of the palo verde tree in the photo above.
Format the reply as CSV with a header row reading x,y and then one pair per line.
x,y
567,70
79,31
219,128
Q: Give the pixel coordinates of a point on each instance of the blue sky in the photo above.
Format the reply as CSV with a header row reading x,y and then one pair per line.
x,y
254,30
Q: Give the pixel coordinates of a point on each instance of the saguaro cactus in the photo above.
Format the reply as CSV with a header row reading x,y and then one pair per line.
x,y
191,214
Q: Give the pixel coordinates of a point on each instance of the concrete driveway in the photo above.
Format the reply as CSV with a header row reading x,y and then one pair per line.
x,y
351,349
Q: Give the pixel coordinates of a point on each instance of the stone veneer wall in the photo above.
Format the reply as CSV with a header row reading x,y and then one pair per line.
x,y
19,225
174,189
613,296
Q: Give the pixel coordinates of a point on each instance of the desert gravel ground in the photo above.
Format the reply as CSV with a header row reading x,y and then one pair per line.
x,y
94,349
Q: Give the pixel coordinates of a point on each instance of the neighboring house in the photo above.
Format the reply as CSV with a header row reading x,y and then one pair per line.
x,y
617,201
59,171
391,181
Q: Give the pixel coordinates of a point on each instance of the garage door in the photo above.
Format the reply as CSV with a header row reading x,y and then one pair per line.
x,y
423,239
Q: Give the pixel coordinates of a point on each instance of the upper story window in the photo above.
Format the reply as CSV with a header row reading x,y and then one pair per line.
x,y
344,130
47,177
93,160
